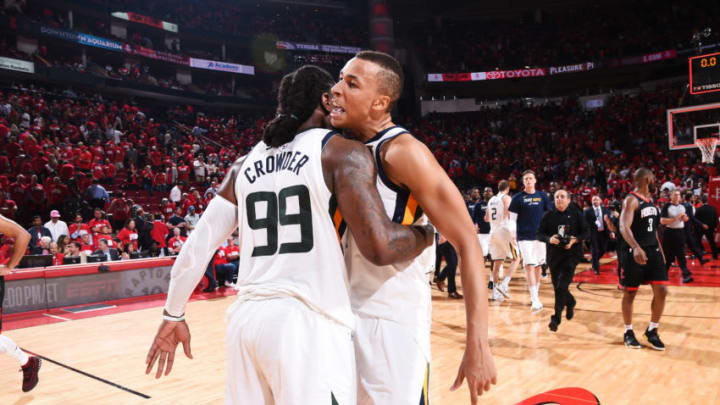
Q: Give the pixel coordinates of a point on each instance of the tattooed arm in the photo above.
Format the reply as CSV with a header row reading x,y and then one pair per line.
x,y
350,174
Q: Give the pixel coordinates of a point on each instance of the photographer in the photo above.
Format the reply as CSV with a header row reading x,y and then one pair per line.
x,y
563,230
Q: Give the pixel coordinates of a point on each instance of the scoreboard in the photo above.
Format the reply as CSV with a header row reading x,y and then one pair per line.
x,y
705,73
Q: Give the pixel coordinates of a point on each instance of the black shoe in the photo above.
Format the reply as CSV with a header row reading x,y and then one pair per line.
x,y
654,339
570,310
554,322
30,373
688,279
544,270
490,285
210,288
630,340
455,296
597,272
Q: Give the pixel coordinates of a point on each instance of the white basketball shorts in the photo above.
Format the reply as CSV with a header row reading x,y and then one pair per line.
x,y
279,352
392,367
502,245
532,251
484,239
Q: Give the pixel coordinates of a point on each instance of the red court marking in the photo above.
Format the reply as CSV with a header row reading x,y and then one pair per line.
x,y
37,318
563,396
705,276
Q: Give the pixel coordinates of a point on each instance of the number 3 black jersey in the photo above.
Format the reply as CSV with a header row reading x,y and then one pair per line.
x,y
289,239
645,222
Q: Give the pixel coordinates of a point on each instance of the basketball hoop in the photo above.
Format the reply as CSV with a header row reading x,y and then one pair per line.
x,y
707,148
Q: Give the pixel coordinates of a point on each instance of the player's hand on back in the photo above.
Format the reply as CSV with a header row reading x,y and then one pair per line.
x,y
168,336
478,367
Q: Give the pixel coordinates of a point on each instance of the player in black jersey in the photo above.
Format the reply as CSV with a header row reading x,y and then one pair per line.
x,y
643,260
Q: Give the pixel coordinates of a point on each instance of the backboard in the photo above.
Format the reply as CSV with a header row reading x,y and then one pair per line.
x,y
688,124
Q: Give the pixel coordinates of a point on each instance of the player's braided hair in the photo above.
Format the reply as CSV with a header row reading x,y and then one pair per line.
x,y
299,94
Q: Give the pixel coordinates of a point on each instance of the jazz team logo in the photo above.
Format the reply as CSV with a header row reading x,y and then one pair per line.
x,y
563,396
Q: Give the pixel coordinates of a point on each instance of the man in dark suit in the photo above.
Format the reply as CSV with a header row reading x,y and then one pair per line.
x,y
37,231
707,214
599,234
105,250
691,228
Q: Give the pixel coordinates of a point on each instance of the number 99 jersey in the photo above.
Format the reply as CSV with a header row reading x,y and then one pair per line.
x,y
289,238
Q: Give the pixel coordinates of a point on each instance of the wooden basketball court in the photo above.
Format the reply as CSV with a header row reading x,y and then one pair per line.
x,y
586,352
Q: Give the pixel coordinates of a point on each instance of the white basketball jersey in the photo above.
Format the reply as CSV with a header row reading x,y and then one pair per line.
x,y
289,244
399,292
496,212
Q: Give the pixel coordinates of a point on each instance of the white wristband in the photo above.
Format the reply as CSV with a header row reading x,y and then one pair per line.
x,y
174,318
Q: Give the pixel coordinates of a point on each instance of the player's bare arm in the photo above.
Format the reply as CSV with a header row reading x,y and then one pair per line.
x,y
350,174
11,229
410,163
630,204
174,330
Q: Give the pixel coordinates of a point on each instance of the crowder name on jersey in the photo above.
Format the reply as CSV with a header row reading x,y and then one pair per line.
x,y
290,161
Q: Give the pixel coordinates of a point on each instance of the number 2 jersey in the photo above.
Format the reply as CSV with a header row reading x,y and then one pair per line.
x,y
289,241
399,292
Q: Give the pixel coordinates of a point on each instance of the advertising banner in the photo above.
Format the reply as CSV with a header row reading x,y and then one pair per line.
x,y
17,65
222,66
43,293
580,67
296,46
143,19
153,54
80,38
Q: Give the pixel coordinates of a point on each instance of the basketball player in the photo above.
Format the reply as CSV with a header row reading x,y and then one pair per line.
x,y
642,257
392,341
502,239
482,227
289,331
527,208
30,365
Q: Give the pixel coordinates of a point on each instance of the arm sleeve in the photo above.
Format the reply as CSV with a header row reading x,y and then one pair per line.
x,y
216,224
583,230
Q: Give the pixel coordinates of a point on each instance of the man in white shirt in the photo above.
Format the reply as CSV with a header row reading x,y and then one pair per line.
x,y
56,226
176,193
191,219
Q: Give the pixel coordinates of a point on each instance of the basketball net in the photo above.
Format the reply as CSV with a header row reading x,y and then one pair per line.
x,y
707,148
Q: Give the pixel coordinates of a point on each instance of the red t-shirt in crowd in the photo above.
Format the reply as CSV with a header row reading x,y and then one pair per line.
x,y
175,243
159,232
77,228
96,225
232,253
127,236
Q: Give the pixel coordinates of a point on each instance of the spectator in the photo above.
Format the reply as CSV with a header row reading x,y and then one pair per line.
x,y
62,243
191,219
176,242
8,207
128,251
106,235
177,221
167,208
96,195
96,224
159,233
107,252
43,247
57,254
228,271
86,243
78,226
37,231
73,249
56,226
176,193
128,234
120,210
